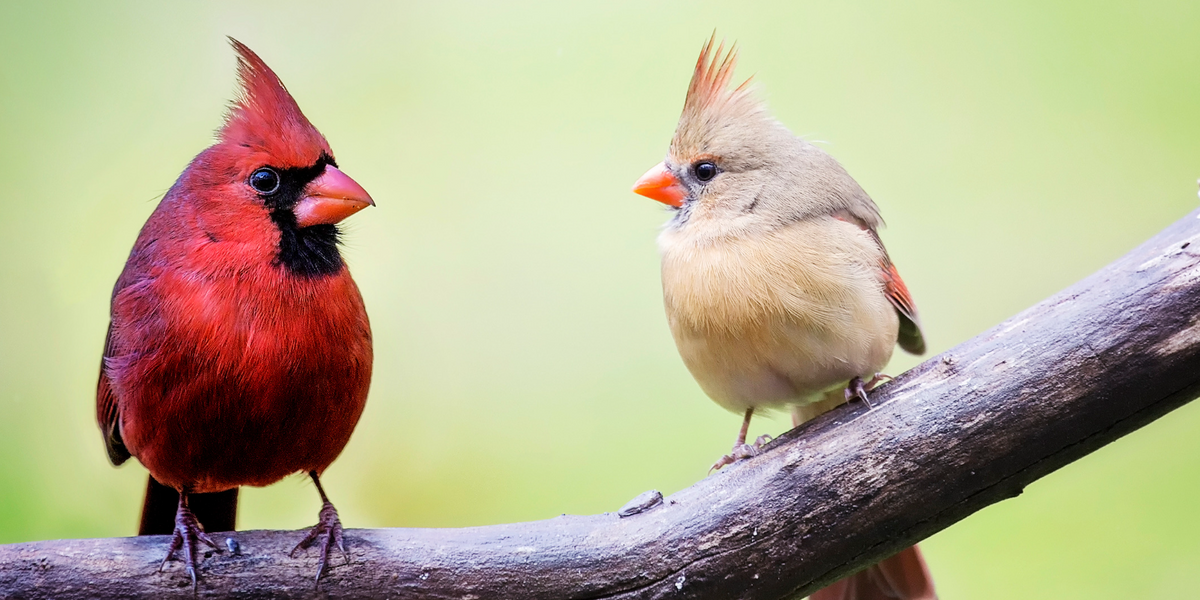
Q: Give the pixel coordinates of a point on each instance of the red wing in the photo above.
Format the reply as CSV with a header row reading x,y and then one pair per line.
x,y
107,411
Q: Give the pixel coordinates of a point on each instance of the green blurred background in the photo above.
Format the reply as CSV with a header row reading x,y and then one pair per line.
x,y
523,365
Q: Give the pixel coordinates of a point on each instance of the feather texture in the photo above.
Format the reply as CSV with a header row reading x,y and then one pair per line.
x,y
777,287
903,576
223,367
778,317
265,121
709,88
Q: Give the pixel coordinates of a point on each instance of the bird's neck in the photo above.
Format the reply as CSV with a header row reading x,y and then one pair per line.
x,y
307,251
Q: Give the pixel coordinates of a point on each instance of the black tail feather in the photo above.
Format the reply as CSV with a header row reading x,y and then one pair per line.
x,y
216,511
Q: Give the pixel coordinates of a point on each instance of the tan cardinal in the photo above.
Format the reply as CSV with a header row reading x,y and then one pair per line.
x,y
777,287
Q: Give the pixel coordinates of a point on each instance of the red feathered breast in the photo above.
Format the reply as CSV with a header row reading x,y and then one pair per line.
x,y
238,374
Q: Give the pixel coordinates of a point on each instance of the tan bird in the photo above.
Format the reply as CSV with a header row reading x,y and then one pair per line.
x,y
777,287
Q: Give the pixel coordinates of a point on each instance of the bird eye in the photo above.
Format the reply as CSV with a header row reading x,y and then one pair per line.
x,y
265,180
705,170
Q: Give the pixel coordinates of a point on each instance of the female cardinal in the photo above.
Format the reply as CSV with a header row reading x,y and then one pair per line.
x,y
239,350
777,287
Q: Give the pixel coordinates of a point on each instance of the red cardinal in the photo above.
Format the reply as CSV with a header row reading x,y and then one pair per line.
x,y
777,287
239,350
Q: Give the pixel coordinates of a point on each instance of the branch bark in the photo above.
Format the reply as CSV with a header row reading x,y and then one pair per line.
x,y
963,430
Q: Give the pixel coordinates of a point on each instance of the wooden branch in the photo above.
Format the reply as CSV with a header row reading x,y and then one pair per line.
x,y
965,429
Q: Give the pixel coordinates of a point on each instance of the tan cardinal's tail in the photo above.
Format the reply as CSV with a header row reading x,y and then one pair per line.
x,y
903,576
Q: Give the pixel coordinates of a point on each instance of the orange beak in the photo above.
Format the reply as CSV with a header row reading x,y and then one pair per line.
x,y
329,198
659,184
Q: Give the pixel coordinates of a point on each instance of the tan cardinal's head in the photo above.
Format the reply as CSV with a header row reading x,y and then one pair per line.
x,y
732,165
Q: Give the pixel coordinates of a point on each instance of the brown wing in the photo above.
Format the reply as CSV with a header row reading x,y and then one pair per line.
x,y
107,412
910,337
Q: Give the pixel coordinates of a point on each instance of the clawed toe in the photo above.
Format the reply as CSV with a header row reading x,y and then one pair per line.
x,y
724,460
740,448
187,536
878,379
856,389
742,451
739,452
326,534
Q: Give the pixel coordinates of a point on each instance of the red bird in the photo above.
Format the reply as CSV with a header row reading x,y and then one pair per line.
x,y
239,350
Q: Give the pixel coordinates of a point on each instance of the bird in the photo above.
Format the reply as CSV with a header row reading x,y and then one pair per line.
x,y
239,350
777,287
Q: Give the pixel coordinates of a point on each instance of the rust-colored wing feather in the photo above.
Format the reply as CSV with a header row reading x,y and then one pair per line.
x,y
910,338
901,577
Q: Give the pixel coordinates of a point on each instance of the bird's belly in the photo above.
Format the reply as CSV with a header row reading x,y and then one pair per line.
x,y
780,363
247,421
774,318
245,398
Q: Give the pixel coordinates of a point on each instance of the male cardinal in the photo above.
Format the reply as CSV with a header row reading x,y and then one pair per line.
x,y
777,287
239,350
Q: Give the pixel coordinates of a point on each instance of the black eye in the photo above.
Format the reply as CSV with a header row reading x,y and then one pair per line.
x,y
265,180
705,170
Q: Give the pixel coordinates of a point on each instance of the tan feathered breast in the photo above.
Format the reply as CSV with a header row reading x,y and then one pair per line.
x,y
777,317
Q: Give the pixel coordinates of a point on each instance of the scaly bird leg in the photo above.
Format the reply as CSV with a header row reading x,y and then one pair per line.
x,y
188,532
326,533
857,389
740,448
876,380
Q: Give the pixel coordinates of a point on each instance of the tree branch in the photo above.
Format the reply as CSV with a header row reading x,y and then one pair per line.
x,y
963,430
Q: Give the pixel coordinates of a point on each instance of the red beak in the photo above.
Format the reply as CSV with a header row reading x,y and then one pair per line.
x,y
329,198
660,184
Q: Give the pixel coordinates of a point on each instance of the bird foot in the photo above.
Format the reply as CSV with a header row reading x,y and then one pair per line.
x,y
876,380
188,535
858,389
741,451
327,533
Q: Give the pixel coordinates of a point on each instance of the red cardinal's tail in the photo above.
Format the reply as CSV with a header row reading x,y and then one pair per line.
x,y
901,577
216,511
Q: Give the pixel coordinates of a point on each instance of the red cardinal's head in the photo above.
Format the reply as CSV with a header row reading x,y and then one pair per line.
x,y
271,178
